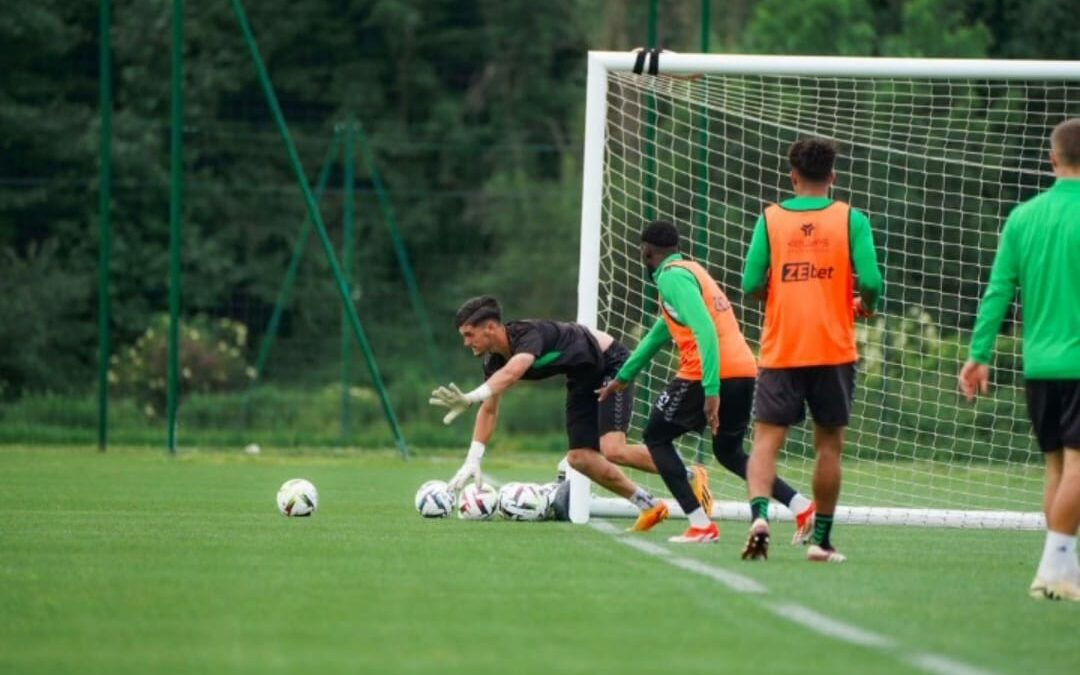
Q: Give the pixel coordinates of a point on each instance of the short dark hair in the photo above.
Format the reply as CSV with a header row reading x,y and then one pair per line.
x,y
813,158
1065,142
661,233
478,309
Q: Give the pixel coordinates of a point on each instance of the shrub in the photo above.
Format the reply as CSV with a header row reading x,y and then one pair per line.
x,y
211,360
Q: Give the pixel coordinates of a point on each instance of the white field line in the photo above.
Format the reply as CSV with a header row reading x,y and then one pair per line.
x,y
793,612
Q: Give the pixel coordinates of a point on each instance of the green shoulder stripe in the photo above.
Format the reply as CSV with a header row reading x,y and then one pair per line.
x,y
545,359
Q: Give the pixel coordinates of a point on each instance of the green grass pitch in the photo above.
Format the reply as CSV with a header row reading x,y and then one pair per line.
x,y
135,562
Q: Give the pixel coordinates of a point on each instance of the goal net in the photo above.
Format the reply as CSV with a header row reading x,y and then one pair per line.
x,y
935,152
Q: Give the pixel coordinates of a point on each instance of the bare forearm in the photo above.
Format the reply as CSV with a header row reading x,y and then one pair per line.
x,y
486,417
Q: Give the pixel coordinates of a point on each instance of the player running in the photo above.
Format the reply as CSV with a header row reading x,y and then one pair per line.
x,y
801,260
714,384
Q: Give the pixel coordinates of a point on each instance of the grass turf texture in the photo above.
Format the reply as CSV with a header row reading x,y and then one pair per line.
x,y
134,562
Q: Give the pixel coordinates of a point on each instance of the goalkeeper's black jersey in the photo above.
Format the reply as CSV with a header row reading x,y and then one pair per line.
x,y
560,349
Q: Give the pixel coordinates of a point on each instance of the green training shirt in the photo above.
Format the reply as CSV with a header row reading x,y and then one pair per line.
x,y
1039,253
863,255
681,297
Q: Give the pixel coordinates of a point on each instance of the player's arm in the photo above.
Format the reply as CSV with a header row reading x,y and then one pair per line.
x,y
654,341
483,429
680,290
458,401
864,258
756,270
1000,292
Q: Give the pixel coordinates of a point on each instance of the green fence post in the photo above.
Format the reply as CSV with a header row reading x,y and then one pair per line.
x,y
104,219
701,211
176,182
346,269
316,218
400,251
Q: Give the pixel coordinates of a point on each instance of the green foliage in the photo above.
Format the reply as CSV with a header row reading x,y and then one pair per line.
x,y
211,360
781,27
45,324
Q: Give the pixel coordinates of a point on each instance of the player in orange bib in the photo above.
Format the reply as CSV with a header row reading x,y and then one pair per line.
x,y
714,385
802,258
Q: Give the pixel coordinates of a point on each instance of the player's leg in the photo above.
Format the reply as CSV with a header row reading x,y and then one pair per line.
x,y
830,394
583,433
615,447
1064,519
1054,407
736,403
680,408
778,403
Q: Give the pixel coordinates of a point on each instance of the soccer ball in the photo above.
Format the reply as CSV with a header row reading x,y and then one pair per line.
x,y
522,501
297,498
433,499
477,503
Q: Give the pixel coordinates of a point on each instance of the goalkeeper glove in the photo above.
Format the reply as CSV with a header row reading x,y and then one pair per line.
x,y
470,469
456,400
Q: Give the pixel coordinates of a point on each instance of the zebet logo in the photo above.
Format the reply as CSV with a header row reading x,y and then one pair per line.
x,y
805,271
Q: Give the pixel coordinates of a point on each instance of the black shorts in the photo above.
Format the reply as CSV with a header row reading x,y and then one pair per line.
x,y
1054,408
783,394
682,404
588,419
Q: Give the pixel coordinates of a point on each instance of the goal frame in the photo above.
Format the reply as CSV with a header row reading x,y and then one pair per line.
x,y
583,503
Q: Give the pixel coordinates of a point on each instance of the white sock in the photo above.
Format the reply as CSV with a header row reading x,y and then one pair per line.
x,y
698,518
798,504
642,499
1058,558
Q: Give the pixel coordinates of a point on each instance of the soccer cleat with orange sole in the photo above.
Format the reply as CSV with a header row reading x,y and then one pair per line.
x,y
698,535
650,518
804,526
757,543
818,554
699,483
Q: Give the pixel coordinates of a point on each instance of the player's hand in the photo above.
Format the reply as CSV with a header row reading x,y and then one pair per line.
x,y
974,379
613,387
712,413
470,470
450,397
861,311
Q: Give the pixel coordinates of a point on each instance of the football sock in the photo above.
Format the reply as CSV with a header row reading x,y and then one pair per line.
x,y
1059,556
759,508
822,530
798,504
698,518
642,499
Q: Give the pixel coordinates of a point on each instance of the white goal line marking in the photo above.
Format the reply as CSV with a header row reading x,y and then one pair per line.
x,y
794,612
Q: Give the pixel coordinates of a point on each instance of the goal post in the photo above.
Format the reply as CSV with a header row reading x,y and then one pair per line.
x,y
935,151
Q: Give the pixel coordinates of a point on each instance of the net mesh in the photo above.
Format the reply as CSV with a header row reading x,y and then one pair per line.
x,y
936,165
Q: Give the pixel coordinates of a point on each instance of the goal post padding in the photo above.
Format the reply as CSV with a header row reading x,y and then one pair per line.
x,y
935,151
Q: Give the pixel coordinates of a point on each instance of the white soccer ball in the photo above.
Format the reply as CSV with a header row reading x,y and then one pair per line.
x,y
522,501
297,498
477,503
433,499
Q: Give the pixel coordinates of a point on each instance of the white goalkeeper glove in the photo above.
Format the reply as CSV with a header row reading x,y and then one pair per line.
x,y
470,469
457,401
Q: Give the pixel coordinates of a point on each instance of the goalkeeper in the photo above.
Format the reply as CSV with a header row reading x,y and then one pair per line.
x,y
535,350
714,384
